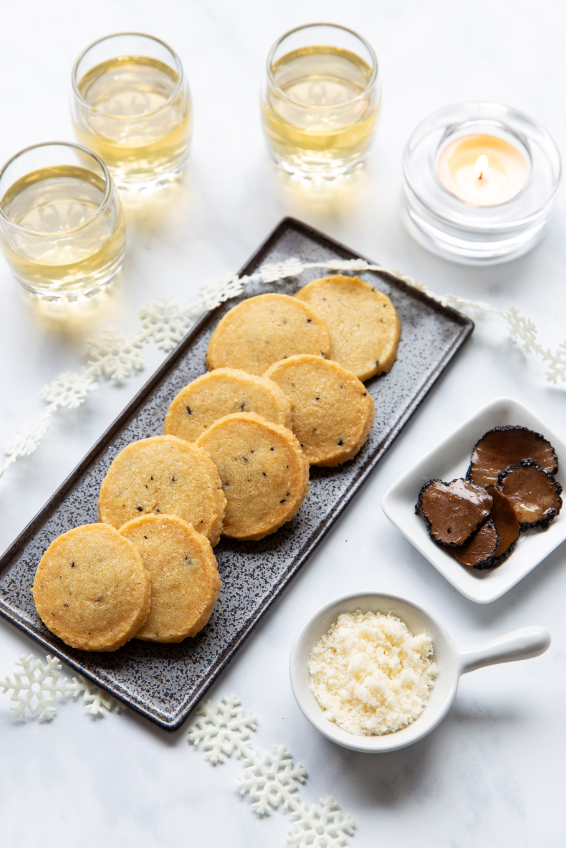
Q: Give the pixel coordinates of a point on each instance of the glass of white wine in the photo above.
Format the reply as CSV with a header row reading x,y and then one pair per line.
x,y
320,102
131,105
62,227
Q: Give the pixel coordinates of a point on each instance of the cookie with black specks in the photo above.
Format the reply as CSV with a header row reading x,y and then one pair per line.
x,y
364,325
332,410
91,588
264,329
185,583
163,475
264,473
221,392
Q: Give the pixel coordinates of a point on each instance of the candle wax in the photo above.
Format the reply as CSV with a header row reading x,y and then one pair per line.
x,y
471,180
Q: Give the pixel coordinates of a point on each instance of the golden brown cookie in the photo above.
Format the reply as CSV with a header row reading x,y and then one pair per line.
x,y
264,329
364,326
332,410
185,583
264,473
223,392
91,588
166,475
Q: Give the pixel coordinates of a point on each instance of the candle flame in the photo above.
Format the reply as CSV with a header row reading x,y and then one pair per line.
x,y
481,167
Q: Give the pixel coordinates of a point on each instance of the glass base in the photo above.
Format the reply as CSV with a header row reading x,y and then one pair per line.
x,y
82,290
471,248
149,184
319,175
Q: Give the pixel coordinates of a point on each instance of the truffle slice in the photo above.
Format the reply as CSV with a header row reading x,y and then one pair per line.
x,y
506,523
482,549
453,511
504,446
534,493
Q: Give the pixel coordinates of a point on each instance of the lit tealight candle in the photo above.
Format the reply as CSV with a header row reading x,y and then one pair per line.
x,y
482,170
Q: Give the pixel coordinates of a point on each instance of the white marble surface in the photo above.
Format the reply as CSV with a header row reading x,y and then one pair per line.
x,y
492,773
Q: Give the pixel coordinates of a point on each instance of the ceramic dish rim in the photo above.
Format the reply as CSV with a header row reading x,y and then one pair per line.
x,y
396,507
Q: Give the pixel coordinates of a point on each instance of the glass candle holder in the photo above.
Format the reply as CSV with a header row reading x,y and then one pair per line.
x,y
62,227
131,105
320,101
480,181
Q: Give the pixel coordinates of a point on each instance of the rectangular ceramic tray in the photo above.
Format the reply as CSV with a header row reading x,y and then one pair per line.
x,y
164,682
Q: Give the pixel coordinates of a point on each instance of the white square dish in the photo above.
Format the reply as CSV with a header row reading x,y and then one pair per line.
x,y
450,459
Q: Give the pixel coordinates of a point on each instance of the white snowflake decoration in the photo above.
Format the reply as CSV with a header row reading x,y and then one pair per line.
x,y
222,729
320,826
270,779
215,292
38,687
28,438
95,699
522,329
41,685
557,369
115,356
165,322
69,390
270,272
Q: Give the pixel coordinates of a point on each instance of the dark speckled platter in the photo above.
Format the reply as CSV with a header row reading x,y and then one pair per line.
x,y
164,682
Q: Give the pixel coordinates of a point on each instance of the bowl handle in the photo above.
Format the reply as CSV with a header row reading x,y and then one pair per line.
x,y
519,645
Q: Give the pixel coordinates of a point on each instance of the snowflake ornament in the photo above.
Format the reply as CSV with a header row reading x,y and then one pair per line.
x,y
165,322
350,265
96,700
320,826
557,369
41,686
69,390
522,329
38,687
215,292
271,779
113,355
273,271
222,729
28,438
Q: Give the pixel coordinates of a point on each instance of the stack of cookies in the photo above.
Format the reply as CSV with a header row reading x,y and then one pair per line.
x,y
284,391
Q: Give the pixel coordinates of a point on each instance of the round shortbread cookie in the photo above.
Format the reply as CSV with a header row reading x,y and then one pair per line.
x,y
223,392
264,329
91,588
365,328
185,583
166,475
264,473
332,410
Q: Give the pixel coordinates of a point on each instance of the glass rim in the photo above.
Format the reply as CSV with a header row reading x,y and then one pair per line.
x,y
367,45
165,103
99,211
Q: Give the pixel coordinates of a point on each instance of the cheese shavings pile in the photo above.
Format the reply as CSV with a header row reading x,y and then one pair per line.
x,y
370,675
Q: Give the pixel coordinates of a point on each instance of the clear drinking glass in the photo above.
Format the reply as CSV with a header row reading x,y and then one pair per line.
x,y
131,105
320,102
62,227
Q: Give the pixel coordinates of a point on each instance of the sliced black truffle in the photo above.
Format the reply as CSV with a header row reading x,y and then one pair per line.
x,y
453,511
534,493
481,550
504,446
506,523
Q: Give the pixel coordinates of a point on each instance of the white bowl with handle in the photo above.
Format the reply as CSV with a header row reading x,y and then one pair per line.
x,y
452,661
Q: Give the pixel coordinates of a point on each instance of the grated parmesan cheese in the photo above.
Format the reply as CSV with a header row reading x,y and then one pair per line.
x,y
370,675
